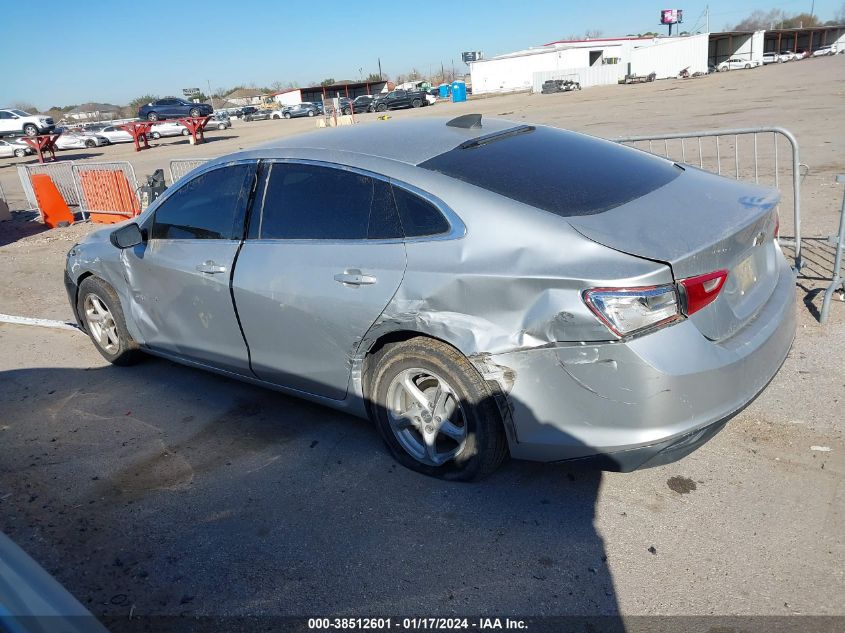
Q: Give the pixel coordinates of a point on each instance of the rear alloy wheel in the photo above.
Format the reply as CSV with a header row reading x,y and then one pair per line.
x,y
155,135
100,310
435,412
186,132
20,153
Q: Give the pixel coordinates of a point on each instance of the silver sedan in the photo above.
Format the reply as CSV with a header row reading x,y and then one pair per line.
x,y
477,289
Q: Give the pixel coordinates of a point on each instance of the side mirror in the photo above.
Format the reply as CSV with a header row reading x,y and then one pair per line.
x,y
127,236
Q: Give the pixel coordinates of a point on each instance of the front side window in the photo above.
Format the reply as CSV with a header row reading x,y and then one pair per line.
x,y
210,206
322,203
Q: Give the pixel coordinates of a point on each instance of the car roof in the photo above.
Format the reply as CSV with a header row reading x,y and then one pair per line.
x,y
410,141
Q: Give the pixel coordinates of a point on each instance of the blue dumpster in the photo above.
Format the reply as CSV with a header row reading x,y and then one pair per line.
x,y
444,91
459,91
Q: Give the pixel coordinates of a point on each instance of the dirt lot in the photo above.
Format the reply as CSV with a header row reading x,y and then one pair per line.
x,y
160,489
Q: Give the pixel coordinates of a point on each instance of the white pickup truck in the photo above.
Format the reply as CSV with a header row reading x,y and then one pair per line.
x,y
16,122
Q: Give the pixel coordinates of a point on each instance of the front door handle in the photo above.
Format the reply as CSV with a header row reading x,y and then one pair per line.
x,y
354,277
210,267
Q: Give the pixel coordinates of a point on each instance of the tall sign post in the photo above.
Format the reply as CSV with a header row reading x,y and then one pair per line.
x,y
669,17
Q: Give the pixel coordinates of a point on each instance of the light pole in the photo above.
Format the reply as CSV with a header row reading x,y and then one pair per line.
x,y
210,96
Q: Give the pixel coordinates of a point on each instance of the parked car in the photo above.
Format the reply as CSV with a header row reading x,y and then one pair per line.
x,y
219,120
168,128
173,108
16,122
788,56
301,109
363,103
771,58
12,148
247,110
400,99
500,288
115,134
72,139
735,63
259,115
824,51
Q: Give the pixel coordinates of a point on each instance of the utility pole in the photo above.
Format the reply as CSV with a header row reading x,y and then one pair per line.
x,y
210,96
707,17
380,77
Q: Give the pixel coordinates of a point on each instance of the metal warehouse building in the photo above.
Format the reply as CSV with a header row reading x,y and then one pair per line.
x,y
591,62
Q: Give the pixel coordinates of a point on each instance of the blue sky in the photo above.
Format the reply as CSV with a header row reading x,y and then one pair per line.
x,y
115,50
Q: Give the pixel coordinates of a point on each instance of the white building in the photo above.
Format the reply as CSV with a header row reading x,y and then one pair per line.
x,y
590,62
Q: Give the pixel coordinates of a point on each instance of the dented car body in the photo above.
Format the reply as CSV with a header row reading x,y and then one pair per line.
x,y
619,306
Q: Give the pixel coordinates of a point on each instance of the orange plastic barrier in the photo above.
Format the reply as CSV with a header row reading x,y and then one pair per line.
x,y
108,195
54,209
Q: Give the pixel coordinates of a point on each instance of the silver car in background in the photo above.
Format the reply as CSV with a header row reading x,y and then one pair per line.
x,y
476,289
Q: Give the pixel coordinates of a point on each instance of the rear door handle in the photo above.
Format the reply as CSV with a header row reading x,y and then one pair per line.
x,y
354,277
210,267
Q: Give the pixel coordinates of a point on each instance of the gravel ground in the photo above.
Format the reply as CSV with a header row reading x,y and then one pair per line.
x,y
159,489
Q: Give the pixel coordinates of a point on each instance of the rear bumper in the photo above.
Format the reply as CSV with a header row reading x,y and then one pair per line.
x,y
647,401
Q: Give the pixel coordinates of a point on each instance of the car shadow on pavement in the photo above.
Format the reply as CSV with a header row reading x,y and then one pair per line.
x,y
158,489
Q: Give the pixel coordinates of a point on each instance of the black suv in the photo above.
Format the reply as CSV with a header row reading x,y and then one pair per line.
x,y
400,99
173,108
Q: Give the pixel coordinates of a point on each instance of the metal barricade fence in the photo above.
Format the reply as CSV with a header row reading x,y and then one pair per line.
x,y
107,188
181,166
743,153
838,242
61,173
26,185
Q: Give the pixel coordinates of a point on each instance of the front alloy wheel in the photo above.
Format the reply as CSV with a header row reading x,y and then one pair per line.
x,y
100,323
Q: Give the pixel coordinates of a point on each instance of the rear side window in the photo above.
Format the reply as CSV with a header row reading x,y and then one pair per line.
x,y
419,217
210,206
562,172
321,203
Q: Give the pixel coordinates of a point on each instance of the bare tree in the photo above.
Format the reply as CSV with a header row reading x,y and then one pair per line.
x,y
592,34
26,106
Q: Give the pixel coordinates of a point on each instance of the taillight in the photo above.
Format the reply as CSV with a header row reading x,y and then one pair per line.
x,y
628,310
777,225
702,290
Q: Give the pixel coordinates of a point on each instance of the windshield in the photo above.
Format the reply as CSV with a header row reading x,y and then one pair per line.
x,y
562,172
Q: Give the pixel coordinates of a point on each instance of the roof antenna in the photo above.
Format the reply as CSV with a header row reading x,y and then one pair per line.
x,y
467,122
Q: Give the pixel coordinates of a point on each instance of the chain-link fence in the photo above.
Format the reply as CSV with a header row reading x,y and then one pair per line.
x,y
181,166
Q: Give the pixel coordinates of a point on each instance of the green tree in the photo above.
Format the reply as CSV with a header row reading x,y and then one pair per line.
x,y
327,82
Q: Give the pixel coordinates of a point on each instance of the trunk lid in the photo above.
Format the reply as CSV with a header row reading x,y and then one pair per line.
x,y
700,223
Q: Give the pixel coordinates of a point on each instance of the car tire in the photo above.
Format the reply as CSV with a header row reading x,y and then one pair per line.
x,y
185,132
100,311
747,66
221,126
416,103
194,112
155,135
381,107
30,130
475,444
20,153
310,112
286,115
152,116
